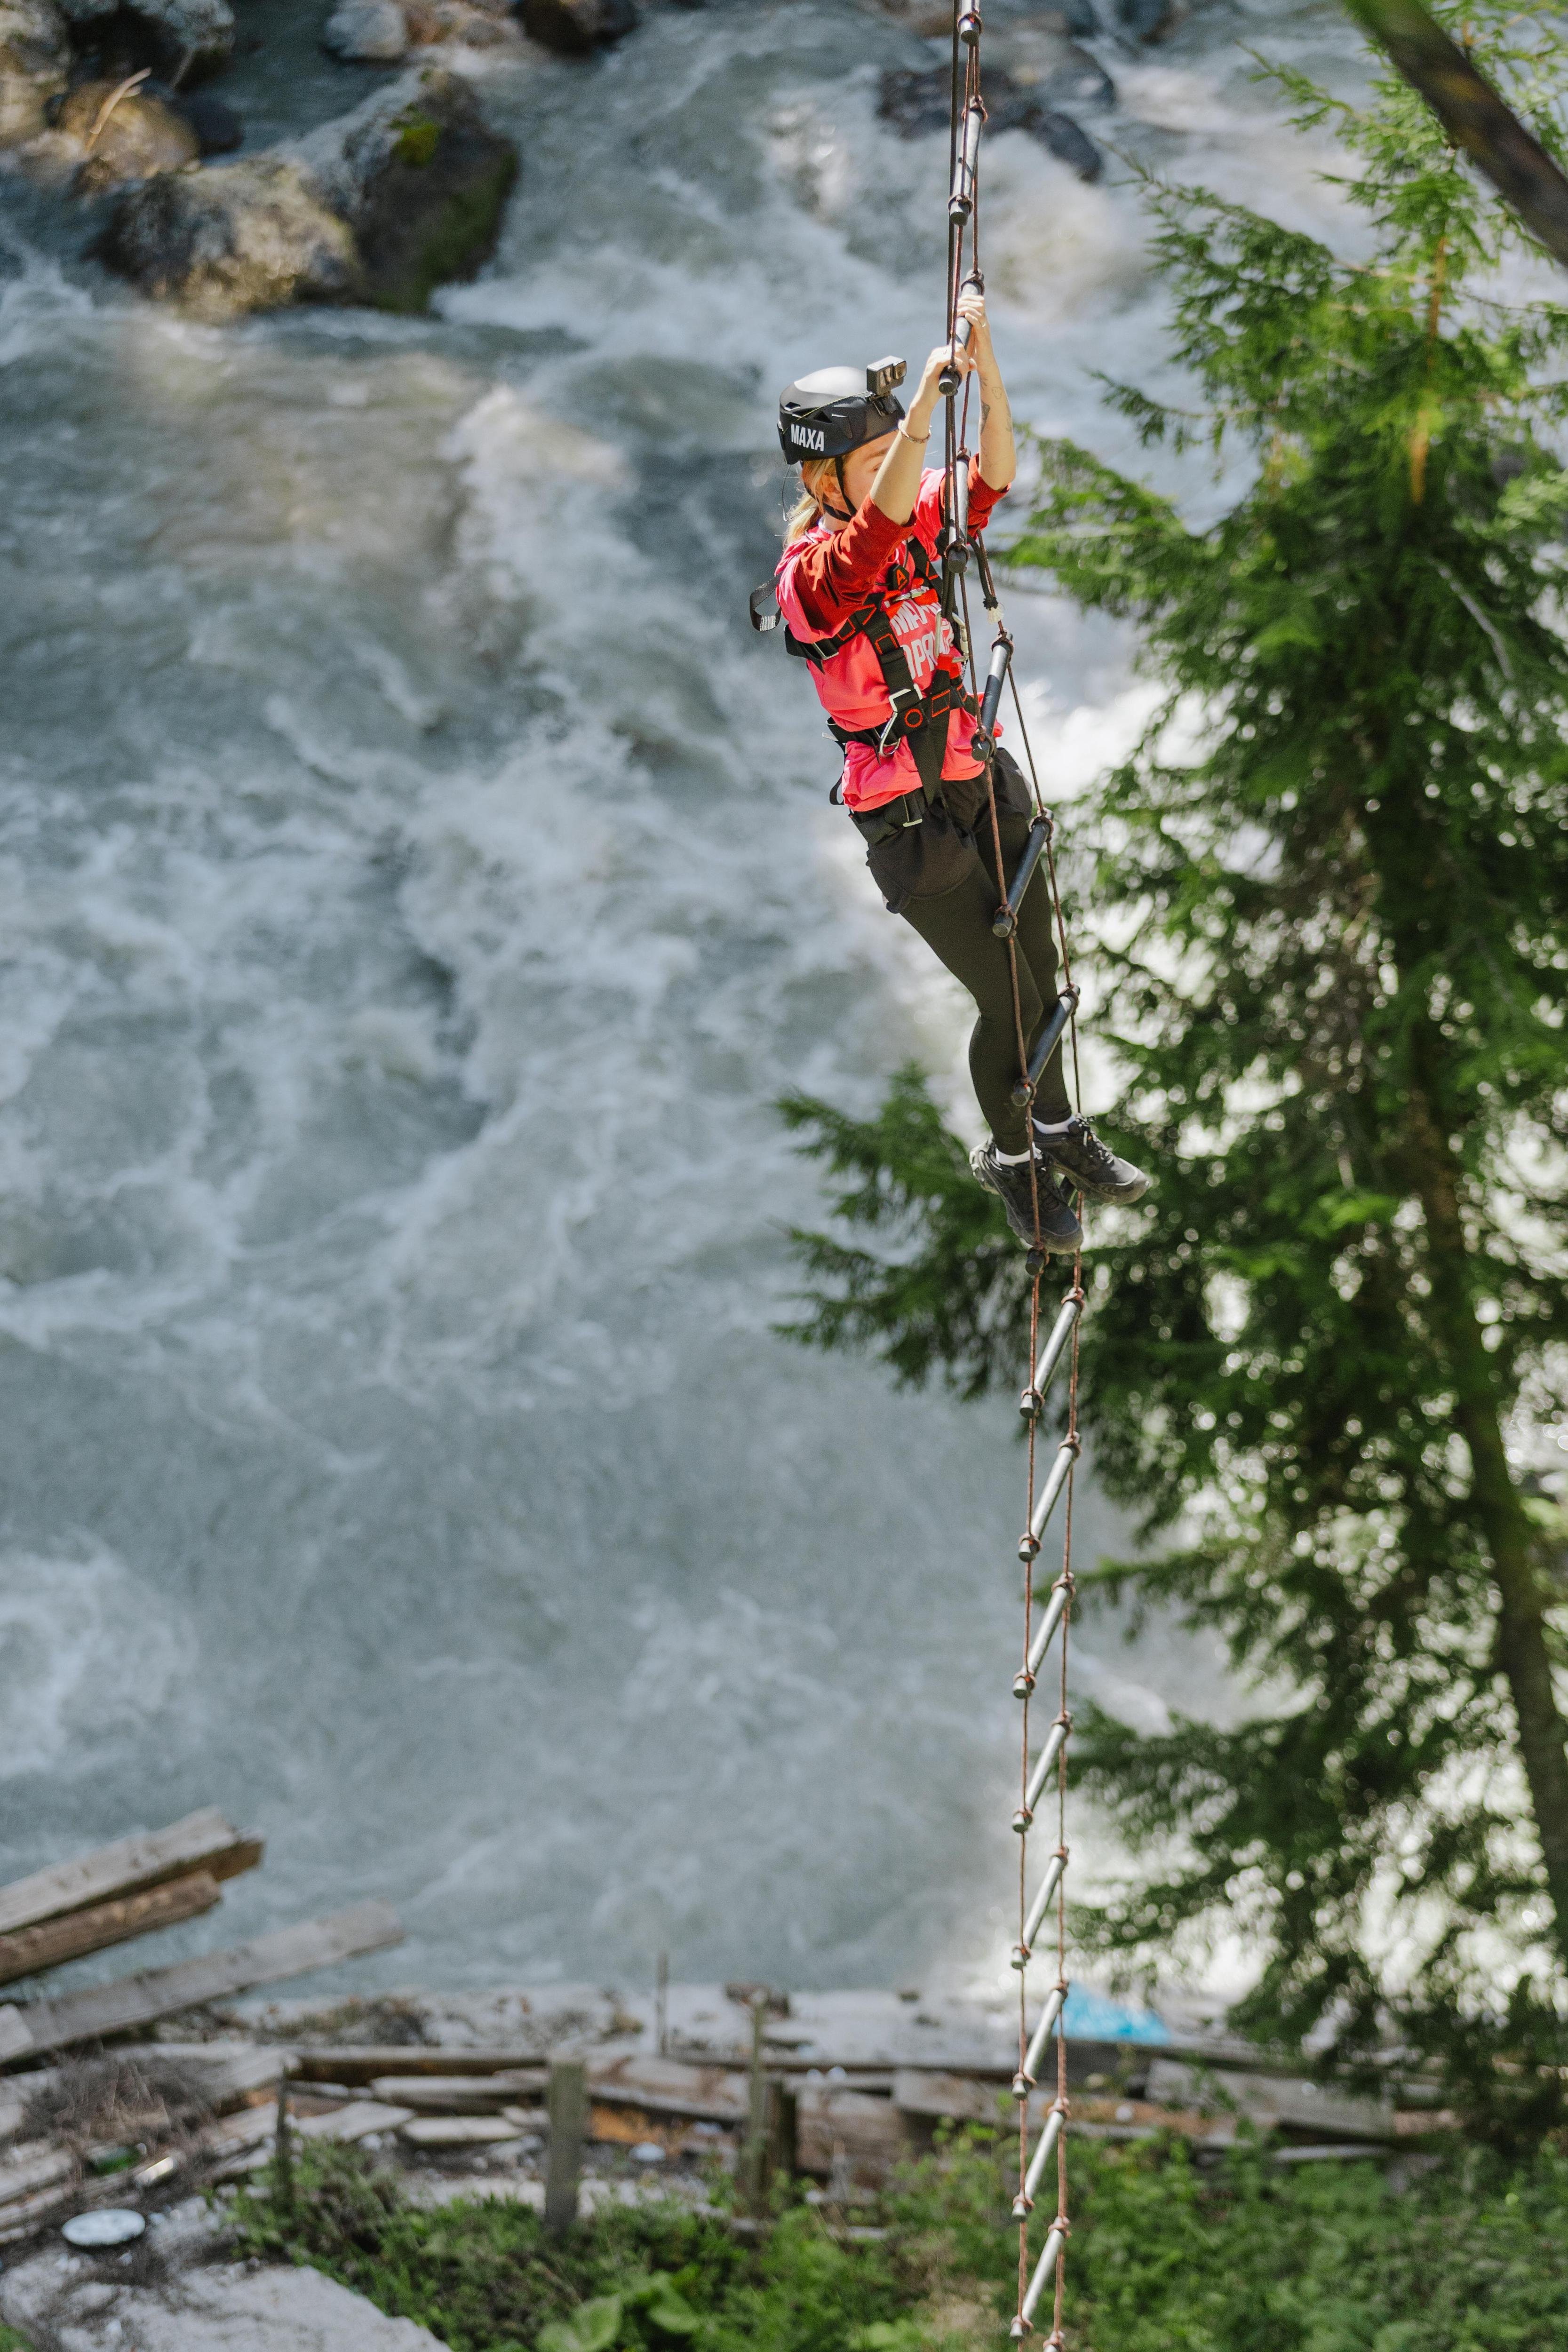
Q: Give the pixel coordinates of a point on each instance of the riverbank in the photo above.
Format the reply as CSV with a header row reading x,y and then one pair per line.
x,y
1472,2253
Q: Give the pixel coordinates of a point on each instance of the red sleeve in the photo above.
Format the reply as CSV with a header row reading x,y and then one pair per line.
x,y
982,500
932,490
832,578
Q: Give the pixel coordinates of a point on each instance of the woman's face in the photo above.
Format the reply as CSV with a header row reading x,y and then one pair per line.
x,y
861,466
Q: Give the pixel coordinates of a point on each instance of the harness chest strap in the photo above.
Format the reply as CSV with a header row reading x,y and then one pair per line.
x,y
908,709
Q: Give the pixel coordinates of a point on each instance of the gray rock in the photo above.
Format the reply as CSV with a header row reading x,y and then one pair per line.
x,y
574,28
915,101
1150,20
1066,141
174,37
1054,71
202,2310
396,198
123,137
34,58
478,24
374,31
423,182
252,235
1077,17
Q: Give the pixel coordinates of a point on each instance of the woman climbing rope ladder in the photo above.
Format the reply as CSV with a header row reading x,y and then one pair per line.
x,y
857,590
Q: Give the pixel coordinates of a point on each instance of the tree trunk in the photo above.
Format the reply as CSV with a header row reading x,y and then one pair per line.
x,y
1523,1654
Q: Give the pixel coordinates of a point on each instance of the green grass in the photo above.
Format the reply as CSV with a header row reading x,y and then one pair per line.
x,y
1165,2257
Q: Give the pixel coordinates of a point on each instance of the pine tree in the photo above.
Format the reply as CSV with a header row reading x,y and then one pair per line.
x,y
1313,1355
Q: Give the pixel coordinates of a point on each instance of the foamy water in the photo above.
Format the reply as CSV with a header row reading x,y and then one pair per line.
x,y
417,888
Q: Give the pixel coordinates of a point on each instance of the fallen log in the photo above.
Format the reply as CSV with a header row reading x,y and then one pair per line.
x,y
25,1950
202,1841
152,1993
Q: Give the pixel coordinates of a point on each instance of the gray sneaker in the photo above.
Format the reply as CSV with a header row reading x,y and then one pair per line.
x,y
1060,1232
1089,1166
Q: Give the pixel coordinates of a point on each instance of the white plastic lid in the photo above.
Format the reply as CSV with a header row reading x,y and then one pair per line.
x,y
114,2226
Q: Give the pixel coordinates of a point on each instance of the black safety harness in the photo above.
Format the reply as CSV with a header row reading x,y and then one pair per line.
x,y
913,717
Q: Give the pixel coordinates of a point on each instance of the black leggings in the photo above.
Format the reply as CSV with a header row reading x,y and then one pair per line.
x,y
941,876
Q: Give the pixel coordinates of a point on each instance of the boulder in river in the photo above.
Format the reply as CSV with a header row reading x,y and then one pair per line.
x,y
915,101
430,188
371,32
574,28
478,24
380,32
186,39
933,17
398,197
124,134
1150,20
35,58
1067,140
242,236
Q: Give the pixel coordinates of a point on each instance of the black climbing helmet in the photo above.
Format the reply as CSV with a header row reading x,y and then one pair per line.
x,y
830,413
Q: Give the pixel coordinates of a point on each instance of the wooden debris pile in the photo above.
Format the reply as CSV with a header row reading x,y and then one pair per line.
x,y
87,2128
98,2107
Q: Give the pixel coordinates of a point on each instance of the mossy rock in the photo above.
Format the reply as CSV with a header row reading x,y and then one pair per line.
x,y
433,212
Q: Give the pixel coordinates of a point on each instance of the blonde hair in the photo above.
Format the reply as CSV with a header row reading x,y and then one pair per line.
x,y
809,506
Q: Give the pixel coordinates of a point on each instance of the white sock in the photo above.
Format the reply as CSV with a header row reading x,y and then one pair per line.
x,y
1012,1159
1050,1129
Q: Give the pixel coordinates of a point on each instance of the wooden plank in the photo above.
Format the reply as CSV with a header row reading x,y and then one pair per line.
x,y
362,2061
870,2133
671,2086
455,2131
632,2126
230,2071
153,1992
357,2120
1270,2101
36,2165
25,1950
459,2094
568,2116
954,2098
30,2214
203,1841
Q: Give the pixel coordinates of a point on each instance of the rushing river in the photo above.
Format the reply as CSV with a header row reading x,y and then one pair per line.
x,y
419,887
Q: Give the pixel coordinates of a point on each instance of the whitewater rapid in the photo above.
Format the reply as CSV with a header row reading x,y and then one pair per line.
x,y
419,887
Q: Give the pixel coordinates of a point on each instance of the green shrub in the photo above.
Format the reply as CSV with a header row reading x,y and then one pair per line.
x,y
1166,2256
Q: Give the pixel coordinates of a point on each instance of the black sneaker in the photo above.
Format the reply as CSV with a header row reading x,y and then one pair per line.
x,y
1088,1165
1060,1232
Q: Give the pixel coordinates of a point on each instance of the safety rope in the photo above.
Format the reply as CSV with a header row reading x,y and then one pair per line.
x,y
1048,1895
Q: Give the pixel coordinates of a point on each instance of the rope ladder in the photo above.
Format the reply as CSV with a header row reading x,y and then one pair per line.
x,y
1042,1898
